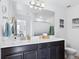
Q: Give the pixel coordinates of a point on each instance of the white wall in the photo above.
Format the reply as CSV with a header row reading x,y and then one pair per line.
x,y
73,34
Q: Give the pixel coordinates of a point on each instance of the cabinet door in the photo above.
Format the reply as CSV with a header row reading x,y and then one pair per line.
x,y
56,52
15,56
44,53
60,52
53,52
30,55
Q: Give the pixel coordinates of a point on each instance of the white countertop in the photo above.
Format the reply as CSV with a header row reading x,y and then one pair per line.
x,y
4,43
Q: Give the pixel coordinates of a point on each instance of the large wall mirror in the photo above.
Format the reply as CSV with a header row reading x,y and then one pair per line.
x,y
30,21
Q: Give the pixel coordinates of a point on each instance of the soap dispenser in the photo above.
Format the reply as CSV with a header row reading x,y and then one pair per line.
x,y
7,29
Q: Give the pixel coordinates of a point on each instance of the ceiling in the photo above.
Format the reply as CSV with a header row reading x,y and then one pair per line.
x,y
65,2
71,2
59,2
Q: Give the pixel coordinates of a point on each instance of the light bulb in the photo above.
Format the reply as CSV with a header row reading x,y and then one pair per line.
x,y
42,5
31,6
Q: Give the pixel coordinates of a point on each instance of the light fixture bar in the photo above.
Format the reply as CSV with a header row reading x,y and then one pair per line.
x,y
39,4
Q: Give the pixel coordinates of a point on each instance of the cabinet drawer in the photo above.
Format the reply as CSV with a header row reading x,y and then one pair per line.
x,y
58,43
14,56
43,45
11,50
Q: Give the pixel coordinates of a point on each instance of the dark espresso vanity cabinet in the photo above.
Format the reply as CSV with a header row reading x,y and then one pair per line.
x,y
57,50
43,51
47,50
30,55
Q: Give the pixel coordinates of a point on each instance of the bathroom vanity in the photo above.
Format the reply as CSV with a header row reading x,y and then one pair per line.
x,y
36,49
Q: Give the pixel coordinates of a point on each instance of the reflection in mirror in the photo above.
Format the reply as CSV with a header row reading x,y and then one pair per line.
x,y
21,27
29,21
9,27
21,21
43,23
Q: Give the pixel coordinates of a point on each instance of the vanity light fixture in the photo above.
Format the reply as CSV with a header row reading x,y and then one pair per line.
x,y
37,4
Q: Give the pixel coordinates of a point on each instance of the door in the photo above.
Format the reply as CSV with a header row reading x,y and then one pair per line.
x,y
15,56
44,53
30,55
